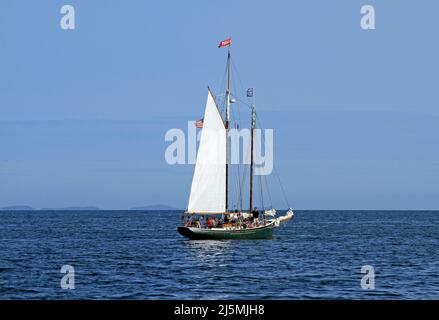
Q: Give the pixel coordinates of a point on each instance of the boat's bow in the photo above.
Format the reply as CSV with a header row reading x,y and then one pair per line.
x,y
289,215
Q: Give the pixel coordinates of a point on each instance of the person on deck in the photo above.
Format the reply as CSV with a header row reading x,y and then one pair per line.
x,y
255,213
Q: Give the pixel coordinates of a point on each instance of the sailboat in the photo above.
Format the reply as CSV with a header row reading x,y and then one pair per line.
x,y
208,215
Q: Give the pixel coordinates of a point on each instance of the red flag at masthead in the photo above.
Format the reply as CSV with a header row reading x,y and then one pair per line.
x,y
225,43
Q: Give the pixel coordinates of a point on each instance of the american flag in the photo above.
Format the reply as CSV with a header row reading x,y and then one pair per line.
x,y
199,123
250,92
225,43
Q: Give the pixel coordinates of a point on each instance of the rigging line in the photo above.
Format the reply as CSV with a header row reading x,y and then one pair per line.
x,y
222,89
241,172
242,87
238,122
243,102
236,175
236,171
238,75
275,171
244,177
244,181
259,122
238,200
264,177
233,193
240,84
232,187
237,181
249,106
268,191
241,167
261,193
282,188
223,79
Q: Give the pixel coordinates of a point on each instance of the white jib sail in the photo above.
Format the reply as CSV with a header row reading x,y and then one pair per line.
x,y
208,190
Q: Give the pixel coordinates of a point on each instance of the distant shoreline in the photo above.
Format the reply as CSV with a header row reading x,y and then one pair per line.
x,y
88,208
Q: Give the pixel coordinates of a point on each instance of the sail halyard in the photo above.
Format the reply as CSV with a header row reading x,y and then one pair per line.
x,y
253,120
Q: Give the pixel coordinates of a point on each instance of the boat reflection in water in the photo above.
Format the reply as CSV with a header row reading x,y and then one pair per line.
x,y
210,253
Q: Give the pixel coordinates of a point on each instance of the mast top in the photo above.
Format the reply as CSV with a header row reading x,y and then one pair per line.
x,y
227,43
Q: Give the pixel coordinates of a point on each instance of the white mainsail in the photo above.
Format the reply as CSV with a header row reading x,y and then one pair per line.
x,y
208,190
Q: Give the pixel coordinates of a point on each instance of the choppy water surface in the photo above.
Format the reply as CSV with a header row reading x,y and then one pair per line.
x,y
139,255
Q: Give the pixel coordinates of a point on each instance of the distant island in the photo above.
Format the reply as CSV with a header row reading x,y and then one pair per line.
x,y
17,208
90,208
72,209
155,207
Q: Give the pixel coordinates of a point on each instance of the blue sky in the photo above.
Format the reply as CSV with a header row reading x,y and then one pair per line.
x,y
83,113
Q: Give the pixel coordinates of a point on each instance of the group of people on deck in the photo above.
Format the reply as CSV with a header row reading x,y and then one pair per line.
x,y
233,219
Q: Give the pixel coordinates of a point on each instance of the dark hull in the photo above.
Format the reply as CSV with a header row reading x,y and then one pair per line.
x,y
265,232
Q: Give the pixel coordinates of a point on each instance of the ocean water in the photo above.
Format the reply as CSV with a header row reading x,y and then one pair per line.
x,y
140,255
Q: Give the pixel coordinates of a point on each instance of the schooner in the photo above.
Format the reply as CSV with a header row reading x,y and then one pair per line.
x,y
208,215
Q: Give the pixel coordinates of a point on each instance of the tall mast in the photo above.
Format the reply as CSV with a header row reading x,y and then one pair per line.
x,y
227,126
251,157
228,87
